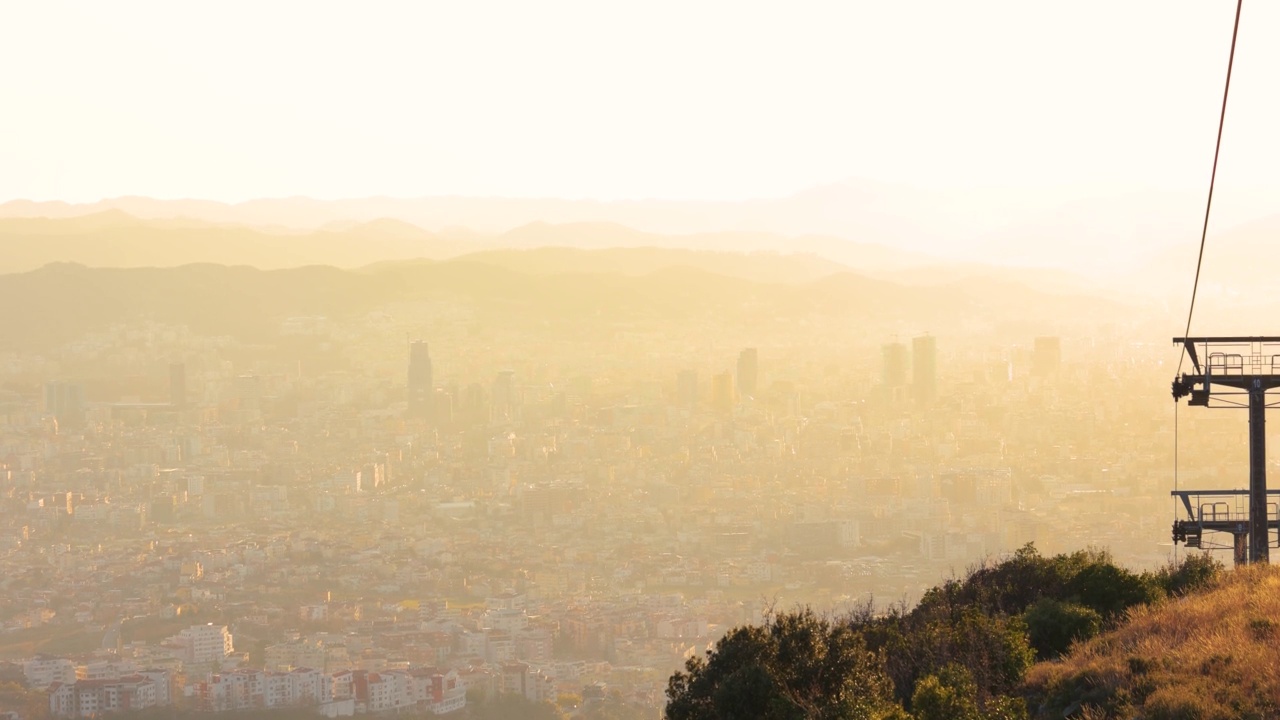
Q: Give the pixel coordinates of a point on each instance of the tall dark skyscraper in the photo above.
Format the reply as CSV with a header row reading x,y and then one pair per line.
x,y
178,384
896,362
420,380
503,398
748,371
924,368
722,392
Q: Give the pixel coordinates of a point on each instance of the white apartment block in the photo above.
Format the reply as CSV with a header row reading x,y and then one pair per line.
x,y
42,671
298,654
520,679
200,644
401,690
257,689
92,698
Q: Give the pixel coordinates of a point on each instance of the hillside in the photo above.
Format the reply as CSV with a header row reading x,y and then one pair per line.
x,y
114,238
853,209
968,650
770,267
62,301
1211,655
862,256
1189,642
1144,240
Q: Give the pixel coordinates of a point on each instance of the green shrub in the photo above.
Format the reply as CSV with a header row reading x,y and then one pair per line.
x,y
1193,573
1052,625
798,666
948,695
1110,590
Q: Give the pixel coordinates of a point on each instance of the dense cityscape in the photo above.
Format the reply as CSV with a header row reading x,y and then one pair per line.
x,y
569,360
357,520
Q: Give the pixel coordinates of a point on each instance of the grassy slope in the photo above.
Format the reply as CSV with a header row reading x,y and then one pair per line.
x,y
1212,654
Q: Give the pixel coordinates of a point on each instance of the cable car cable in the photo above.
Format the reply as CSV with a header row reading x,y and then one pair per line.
x,y
1204,233
1213,176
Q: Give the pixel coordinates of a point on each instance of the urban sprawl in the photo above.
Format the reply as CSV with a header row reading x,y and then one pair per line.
x,y
352,520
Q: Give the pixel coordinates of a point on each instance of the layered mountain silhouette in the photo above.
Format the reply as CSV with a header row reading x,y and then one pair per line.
x,y
1106,236
62,301
113,238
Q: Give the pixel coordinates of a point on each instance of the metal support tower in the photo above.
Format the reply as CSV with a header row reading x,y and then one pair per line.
x,y
1259,538
1235,372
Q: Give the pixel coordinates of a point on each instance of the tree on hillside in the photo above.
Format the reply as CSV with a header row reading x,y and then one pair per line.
x,y
1110,590
1052,625
1062,599
31,704
963,651
994,649
948,695
797,666
951,694
1192,573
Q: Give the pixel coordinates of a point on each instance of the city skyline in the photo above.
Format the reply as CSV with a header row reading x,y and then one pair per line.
x,y
572,360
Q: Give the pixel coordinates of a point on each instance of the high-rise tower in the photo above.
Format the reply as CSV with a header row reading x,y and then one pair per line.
x,y
722,392
924,368
420,380
896,362
503,397
748,372
178,384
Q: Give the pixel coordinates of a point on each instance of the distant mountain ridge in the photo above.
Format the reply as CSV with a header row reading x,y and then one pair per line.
x,y
1131,247
760,266
855,209
113,238
62,301
1109,236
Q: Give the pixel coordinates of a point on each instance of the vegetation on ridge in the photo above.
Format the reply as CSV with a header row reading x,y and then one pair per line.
x,y
965,652
1206,656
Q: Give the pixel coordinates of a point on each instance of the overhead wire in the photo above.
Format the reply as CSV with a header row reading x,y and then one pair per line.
x,y
1204,234
1213,177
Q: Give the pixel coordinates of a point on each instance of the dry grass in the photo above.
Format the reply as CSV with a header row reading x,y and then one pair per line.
x,y
1212,655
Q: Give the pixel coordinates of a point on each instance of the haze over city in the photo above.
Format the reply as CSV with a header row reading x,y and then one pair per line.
x,y
499,360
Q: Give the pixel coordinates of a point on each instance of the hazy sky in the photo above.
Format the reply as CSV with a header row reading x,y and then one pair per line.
x,y
234,100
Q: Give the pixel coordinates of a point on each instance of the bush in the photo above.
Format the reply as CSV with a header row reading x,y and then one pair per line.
x,y
993,649
797,666
1052,625
949,695
1193,573
1110,590
991,624
1006,708
1088,577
